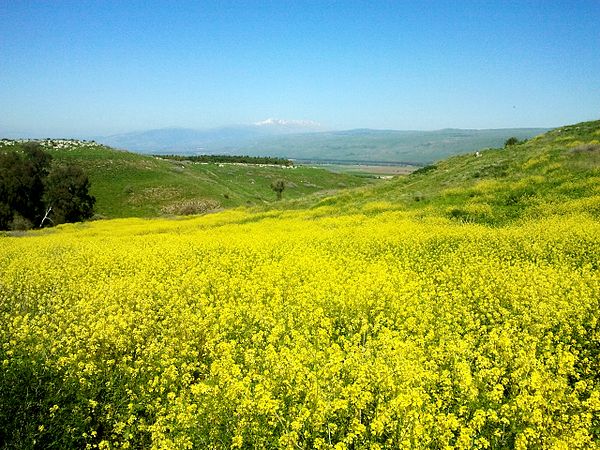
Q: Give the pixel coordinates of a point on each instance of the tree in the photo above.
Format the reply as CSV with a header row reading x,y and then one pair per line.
x,y
66,195
34,192
511,141
39,166
6,215
22,177
278,186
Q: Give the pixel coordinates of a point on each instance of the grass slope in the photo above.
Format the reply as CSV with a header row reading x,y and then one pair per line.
x,y
131,185
554,173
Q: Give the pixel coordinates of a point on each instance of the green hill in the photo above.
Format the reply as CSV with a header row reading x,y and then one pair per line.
x,y
550,173
554,173
131,185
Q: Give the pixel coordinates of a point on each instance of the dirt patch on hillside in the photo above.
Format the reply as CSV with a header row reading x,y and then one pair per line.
x,y
154,194
188,207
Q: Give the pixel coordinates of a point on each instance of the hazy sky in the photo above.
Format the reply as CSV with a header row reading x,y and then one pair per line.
x,y
85,68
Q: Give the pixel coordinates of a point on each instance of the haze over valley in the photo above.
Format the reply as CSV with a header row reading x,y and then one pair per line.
x,y
305,142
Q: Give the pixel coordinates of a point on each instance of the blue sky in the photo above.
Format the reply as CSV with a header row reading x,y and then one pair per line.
x,y
86,68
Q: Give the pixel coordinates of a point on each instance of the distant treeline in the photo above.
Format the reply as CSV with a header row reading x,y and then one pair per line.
x,y
356,162
230,159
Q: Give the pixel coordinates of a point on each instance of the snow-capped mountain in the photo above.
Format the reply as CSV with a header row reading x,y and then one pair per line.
x,y
193,140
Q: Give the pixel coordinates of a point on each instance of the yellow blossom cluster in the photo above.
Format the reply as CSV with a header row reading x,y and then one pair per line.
x,y
300,329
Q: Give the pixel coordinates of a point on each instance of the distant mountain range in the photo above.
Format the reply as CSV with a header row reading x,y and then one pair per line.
x,y
305,140
186,140
384,146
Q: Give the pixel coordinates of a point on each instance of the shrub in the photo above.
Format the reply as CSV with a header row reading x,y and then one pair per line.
x,y
278,186
190,207
20,223
425,169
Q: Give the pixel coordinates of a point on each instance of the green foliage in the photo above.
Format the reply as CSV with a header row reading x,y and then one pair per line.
x,y
425,169
278,186
6,215
30,390
31,188
127,184
22,183
496,169
230,159
67,193
511,141
556,173
20,223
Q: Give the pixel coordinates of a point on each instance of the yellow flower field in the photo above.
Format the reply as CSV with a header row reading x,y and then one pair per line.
x,y
301,330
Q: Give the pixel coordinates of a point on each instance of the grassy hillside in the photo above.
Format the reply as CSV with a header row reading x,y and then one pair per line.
x,y
454,308
555,173
131,185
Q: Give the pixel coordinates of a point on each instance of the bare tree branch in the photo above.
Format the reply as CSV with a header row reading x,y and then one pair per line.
x,y
46,216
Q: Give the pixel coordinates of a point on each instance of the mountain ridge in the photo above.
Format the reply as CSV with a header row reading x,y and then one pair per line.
x,y
362,144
